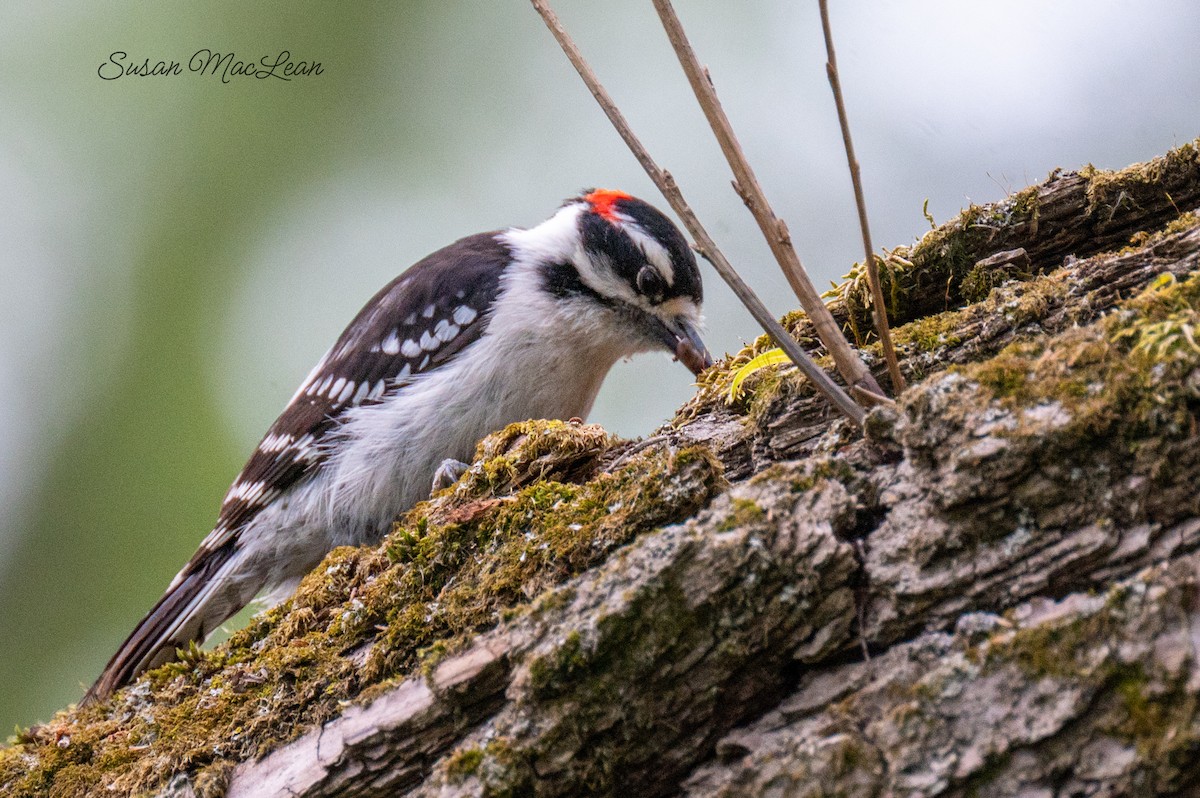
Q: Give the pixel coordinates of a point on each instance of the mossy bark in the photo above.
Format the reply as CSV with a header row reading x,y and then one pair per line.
x,y
996,591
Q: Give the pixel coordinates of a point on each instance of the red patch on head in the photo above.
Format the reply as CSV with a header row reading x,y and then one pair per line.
x,y
604,200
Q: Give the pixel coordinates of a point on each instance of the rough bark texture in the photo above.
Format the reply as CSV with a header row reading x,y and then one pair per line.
x,y
1017,547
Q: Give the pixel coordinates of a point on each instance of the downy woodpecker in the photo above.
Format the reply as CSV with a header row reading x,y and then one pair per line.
x,y
496,328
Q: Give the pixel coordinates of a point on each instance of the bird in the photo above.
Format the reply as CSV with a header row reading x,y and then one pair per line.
x,y
496,328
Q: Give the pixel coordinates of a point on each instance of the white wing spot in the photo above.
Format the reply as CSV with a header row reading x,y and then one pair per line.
x,y
337,387
404,372
248,492
424,363
391,344
275,443
325,385
410,319
428,342
445,331
303,448
410,348
377,391
464,314
361,393
346,392
428,311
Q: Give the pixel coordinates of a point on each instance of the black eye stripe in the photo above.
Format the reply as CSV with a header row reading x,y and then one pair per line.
x,y
607,238
563,280
601,235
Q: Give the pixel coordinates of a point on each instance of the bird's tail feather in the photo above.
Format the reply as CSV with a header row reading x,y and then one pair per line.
x,y
187,612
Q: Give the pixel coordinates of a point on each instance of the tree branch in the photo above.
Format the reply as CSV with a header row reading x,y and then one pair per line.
x,y
704,243
881,319
773,228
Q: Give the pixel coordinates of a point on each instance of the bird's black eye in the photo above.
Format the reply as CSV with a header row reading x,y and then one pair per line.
x,y
650,283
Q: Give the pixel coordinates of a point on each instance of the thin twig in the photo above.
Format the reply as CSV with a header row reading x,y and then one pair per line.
x,y
872,398
773,228
704,243
881,319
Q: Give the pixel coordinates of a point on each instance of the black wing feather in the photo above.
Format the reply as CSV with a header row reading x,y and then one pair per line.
x,y
455,285
449,293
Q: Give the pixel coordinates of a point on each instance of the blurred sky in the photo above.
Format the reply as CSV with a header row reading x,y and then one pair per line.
x,y
177,252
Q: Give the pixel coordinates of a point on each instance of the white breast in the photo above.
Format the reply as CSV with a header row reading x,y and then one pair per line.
x,y
542,358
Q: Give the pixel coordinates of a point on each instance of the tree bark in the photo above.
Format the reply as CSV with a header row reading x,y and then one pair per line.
x,y
995,592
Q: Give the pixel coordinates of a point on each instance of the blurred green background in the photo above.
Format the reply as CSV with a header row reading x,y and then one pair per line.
x,y
176,252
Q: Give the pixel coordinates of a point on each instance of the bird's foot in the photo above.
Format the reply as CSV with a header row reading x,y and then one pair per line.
x,y
447,474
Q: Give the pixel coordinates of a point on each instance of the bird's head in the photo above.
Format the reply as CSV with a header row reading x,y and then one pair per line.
x,y
624,255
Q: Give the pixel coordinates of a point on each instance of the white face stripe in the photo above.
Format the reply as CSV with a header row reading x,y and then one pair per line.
x,y
656,254
557,240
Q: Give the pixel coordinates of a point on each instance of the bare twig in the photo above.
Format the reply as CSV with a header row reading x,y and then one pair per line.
x,y
773,228
704,243
872,398
881,320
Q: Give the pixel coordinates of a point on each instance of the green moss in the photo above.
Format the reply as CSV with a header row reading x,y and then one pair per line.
x,y
500,771
1052,649
1006,375
1145,238
744,512
1026,204
927,284
855,296
1109,192
445,589
463,763
1144,717
610,699
946,255
715,383
562,663
1182,223
982,278
590,679
1156,714
767,387
1122,379
1159,722
533,450
506,533
849,755
917,281
940,273
930,333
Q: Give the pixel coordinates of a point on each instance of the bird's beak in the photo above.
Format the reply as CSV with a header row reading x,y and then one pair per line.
x,y
680,336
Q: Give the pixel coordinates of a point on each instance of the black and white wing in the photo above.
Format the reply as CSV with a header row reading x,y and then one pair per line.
x,y
413,325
